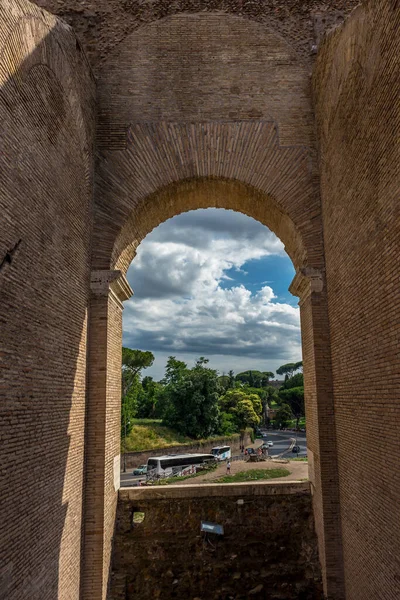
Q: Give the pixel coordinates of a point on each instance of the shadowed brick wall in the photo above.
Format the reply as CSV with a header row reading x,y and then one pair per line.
x,y
103,24
357,91
46,132
268,549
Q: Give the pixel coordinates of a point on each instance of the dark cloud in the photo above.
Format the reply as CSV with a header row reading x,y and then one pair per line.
x,y
181,306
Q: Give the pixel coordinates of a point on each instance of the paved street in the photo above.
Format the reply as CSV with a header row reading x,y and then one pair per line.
x,y
280,439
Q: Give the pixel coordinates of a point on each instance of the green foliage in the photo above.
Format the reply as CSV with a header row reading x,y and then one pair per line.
x,y
289,368
149,434
245,407
224,382
256,379
292,394
292,382
254,475
294,397
227,424
133,361
283,416
191,398
148,398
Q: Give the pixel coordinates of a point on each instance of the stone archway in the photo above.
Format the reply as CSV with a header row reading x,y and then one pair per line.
x,y
223,119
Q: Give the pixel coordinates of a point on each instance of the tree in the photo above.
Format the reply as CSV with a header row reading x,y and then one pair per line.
x,y
148,396
231,376
295,381
245,407
246,414
294,398
133,361
174,370
224,382
191,398
255,379
283,416
270,398
289,368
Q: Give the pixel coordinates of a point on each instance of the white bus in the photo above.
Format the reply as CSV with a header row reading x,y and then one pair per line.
x,y
176,464
222,452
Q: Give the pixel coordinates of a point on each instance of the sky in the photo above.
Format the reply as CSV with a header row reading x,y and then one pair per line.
x,y
213,283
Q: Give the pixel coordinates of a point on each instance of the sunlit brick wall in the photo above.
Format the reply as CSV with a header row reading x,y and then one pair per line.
x,y
46,129
357,90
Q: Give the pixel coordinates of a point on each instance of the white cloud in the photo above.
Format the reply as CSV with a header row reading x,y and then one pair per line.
x,y
182,306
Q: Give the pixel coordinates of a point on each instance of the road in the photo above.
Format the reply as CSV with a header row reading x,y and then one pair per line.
x,y
280,439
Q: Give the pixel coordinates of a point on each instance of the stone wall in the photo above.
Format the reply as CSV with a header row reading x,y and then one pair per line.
x,y
268,549
102,25
357,90
46,133
133,459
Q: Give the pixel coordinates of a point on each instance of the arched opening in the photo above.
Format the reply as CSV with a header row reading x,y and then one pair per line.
x,y
110,288
210,283
223,120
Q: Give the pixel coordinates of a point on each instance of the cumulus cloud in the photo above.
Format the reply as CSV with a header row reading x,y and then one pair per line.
x,y
186,304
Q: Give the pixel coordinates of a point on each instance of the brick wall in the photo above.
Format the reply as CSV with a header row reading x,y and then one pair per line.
x,y
46,131
268,549
357,89
102,25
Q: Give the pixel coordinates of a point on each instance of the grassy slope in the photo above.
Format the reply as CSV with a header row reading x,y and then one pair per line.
x,y
150,434
254,475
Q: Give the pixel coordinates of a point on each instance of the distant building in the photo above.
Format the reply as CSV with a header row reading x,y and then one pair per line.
x,y
276,383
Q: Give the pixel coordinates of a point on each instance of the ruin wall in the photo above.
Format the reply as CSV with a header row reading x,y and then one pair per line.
x,y
357,90
46,139
268,548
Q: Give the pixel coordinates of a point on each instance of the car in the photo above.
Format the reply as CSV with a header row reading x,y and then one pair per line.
x,y
270,444
296,449
141,470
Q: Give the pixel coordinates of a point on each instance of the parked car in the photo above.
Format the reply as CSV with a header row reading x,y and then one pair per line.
x,y
296,449
141,470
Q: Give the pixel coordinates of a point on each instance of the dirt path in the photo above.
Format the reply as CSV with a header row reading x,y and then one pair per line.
x,y
298,471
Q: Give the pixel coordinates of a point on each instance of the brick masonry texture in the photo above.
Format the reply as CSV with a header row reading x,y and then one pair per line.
x,y
46,140
196,104
357,90
102,25
268,549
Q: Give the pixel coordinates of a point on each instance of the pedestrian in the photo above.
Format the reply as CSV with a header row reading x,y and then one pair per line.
x,y
228,467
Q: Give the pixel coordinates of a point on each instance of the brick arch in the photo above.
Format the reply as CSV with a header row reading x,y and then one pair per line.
x,y
191,194
168,168
205,95
199,110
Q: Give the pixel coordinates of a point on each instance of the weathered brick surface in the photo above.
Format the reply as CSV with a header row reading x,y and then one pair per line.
x,y
103,24
199,103
241,140
268,549
357,90
46,131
